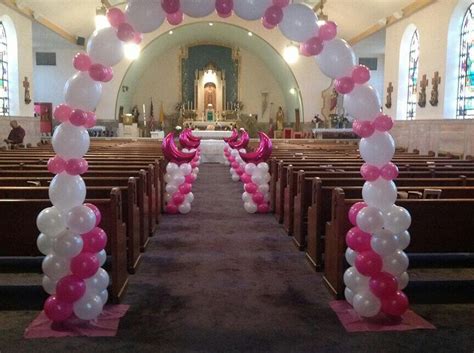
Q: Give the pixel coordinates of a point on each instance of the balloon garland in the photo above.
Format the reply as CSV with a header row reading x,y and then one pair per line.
x,y
71,240
181,172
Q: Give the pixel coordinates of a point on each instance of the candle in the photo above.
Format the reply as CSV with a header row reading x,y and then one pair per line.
x,y
144,109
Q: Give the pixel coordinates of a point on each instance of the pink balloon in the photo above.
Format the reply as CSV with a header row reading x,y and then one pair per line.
x,y
125,32
354,211
368,263
190,178
94,241
312,47
383,285
273,15
383,123
281,3
115,16
344,85
84,265
90,120
369,172
95,209
78,117
360,74
358,240
240,171
231,159
137,37
56,165
226,149
98,72
396,304
363,128
109,74
224,7
389,171
70,288
171,208
328,31
263,208
62,112
266,24
175,18
185,188
178,198
82,62
76,166
245,178
170,6
235,165
57,310
194,164
251,188
258,197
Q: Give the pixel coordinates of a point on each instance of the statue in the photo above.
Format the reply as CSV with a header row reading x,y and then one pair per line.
x,y
280,119
388,99
26,86
422,95
434,91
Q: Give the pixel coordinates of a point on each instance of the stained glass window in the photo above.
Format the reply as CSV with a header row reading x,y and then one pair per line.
x,y
413,75
4,107
465,101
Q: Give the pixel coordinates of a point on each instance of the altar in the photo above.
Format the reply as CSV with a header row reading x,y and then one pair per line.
x,y
212,151
211,134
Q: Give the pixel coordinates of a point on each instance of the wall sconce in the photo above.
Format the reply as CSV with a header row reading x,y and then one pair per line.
x,y
124,89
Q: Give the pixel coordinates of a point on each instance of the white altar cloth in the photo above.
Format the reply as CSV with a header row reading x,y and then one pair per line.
x,y
212,151
212,134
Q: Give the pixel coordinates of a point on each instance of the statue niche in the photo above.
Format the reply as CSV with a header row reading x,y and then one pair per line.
x,y
210,94
210,91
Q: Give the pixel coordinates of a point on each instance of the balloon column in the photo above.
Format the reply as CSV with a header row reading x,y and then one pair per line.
x,y
227,149
191,143
233,147
256,178
179,176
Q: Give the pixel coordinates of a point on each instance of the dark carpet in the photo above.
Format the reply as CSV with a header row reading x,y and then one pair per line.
x,y
220,280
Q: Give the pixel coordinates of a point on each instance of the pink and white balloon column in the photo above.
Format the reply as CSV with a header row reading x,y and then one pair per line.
x,y
190,144
234,146
256,178
179,177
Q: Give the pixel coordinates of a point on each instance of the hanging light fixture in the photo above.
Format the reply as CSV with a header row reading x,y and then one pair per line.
x,y
291,54
101,20
131,50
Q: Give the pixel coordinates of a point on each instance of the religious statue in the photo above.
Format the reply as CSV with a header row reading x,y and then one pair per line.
x,y
434,90
136,113
26,86
210,94
280,119
271,128
422,95
388,99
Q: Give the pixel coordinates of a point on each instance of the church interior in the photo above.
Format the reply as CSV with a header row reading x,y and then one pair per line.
x,y
236,176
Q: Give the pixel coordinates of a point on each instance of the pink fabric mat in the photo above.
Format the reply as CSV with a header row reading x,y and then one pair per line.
x,y
352,322
105,325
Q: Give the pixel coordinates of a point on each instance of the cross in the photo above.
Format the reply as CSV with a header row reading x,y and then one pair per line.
x,y
436,80
26,84
424,82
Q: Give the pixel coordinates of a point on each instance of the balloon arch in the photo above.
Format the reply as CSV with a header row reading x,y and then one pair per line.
x,y
70,235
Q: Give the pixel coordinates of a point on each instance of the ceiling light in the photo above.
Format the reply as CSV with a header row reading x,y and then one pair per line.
x,y
292,91
101,20
291,54
250,34
170,32
132,51
211,24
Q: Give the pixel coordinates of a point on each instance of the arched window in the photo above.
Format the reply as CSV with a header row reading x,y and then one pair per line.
x,y
4,86
465,101
414,55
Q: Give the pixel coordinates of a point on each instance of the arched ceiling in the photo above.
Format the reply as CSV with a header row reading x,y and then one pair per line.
x,y
219,33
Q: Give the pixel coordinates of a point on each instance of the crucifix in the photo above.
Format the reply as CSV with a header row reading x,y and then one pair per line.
x,y
435,82
26,86
422,96
388,99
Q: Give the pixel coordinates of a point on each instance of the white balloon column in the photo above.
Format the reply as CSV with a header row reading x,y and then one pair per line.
x,y
70,238
231,152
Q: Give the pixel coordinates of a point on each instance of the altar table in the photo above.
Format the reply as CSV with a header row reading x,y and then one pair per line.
x,y
212,134
212,151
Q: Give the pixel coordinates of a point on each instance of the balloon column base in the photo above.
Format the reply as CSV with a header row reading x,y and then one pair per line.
x,y
106,325
352,322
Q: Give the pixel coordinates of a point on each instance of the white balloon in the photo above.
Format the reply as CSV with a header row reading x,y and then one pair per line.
x,y
267,177
384,243
172,168
403,240
258,179
198,8
177,180
235,177
102,257
354,280
263,167
167,196
184,208
337,59
403,280
250,168
246,197
104,296
45,244
349,295
186,168
88,307
51,222
397,219
49,285
99,281
234,152
377,149
55,267
242,150
363,103
264,188
350,256
370,220
145,16
104,47
380,193
167,178
395,264
250,207
251,9
171,189
196,170
70,141
68,244
366,304
189,197
80,219
67,191
299,23
82,92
